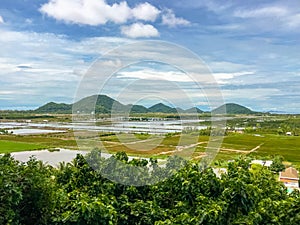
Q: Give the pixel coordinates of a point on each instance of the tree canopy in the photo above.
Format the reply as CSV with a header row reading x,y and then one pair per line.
x,y
78,193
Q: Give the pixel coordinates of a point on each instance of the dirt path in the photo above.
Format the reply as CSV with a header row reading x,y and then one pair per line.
x,y
241,151
181,148
200,155
257,147
114,143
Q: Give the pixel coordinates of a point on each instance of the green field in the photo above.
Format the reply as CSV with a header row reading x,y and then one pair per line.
x,y
260,146
12,146
16,143
267,145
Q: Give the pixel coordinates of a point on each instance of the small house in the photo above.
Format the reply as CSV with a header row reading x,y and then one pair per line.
x,y
290,178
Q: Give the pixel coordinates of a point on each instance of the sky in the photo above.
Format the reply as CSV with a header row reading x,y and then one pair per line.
x,y
251,48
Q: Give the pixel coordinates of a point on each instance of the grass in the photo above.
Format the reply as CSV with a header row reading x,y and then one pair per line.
x,y
63,140
152,145
271,144
242,141
12,146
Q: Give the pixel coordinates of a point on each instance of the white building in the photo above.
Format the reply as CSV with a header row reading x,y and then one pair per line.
x,y
266,163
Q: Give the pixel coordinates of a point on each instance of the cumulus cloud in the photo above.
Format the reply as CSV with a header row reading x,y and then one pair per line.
x,y
45,67
145,11
137,30
171,20
97,12
1,20
89,12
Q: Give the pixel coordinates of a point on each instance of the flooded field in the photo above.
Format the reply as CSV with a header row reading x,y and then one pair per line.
x,y
152,127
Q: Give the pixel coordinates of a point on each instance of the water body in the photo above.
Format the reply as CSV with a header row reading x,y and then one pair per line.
x,y
28,131
152,127
55,157
50,158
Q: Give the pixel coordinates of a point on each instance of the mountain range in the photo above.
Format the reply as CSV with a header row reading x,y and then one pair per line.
x,y
105,103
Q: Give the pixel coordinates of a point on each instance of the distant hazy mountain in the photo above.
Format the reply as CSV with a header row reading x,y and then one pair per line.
x,y
232,108
105,104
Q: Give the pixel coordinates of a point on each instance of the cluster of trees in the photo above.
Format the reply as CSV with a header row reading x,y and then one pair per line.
x,y
75,193
273,124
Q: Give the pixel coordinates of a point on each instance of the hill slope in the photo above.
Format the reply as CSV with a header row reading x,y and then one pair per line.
x,y
105,104
161,108
193,110
232,108
53,107
102,103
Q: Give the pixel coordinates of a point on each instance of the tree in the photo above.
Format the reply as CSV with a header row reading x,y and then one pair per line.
x,y
277,165
75,193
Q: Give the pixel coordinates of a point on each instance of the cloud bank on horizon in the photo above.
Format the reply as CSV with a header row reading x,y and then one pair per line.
x,y
252,48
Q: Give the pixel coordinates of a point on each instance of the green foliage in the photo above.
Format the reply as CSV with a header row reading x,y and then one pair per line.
x,y
277,165
27,192
76,193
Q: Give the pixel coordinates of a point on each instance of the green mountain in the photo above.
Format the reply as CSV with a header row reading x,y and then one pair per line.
x,y
232,108
106,104
53,107
161,108
193,110
138,109
102,103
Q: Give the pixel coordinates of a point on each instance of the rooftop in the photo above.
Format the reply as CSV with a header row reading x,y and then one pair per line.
x,y
289,173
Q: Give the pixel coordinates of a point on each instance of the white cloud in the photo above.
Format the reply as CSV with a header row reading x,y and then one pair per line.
x,y
139,30
293,21
223,78
1,20
227,67
89,12
145,11
45,67
150,74
97,12
286,18
171,20
261,94
271,11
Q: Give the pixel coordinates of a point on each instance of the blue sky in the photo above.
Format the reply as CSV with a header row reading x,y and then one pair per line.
x,y
252,48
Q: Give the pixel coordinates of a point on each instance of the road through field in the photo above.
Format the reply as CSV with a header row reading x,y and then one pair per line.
x,y
241,151
181,148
